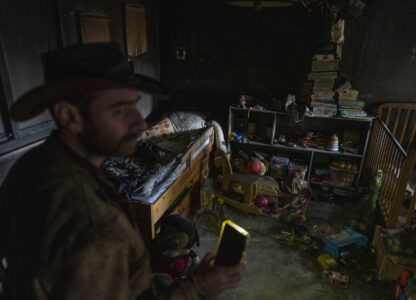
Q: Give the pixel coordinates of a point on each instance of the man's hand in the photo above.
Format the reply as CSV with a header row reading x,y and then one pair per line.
x,y
217,279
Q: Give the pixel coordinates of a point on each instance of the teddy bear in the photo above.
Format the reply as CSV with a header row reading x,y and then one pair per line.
x,y
172,250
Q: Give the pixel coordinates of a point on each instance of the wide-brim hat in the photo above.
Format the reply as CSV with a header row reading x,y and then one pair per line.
x,y
81,69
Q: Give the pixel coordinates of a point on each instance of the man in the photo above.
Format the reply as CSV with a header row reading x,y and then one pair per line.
x,y
69,234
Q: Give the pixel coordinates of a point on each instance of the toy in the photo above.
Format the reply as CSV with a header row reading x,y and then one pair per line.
x,y
244,184
173,254
327,262
262,202
333,143
307,139
400,285
338,279
282,139
264,163
336,243
363,214
253,165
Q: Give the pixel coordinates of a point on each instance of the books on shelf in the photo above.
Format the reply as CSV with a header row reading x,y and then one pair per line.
x,y
327,94
326,104
324,57
324,83
351,112
322,75
351,103
323,91
324,111
325,65
323,100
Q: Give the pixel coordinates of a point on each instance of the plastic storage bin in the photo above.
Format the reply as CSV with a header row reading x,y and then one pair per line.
x,y
335,242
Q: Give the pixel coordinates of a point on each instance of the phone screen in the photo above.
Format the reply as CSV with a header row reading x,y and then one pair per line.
x,y
231,244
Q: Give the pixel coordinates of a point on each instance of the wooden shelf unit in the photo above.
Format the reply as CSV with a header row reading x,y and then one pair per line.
x,y
336,123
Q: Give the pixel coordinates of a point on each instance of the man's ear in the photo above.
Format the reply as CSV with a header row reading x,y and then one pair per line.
x,y
68,116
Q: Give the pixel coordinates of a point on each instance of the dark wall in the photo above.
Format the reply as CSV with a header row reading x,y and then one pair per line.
x,y
29,28
232,49
147,63
388,69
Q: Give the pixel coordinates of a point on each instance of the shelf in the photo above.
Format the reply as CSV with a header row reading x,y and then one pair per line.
x,y
332,185
283,121
307,116
301,149
254,110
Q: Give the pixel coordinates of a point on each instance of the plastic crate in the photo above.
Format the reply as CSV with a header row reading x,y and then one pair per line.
x,y
389,265
348,237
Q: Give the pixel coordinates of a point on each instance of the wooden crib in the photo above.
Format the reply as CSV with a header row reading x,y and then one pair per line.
x,y
393,150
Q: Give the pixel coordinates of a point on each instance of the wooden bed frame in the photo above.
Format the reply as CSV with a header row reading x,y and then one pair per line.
x,y
393,150
147,215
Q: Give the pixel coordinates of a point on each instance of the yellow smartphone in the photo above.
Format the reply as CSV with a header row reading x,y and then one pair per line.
x,y
232,242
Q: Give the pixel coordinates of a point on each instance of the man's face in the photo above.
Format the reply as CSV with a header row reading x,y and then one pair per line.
x,y
113,124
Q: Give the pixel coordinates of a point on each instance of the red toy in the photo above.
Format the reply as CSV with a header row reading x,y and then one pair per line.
x,y
307,139
253,165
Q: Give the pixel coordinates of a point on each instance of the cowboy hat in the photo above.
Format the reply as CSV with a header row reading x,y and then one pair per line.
x,y
82,69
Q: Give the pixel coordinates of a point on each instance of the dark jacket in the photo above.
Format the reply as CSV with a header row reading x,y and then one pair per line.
x,y
70,234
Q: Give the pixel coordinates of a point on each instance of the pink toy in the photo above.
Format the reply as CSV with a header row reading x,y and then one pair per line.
x,y
262,202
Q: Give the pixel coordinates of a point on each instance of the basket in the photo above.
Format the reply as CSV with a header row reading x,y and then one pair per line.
x,y
390,266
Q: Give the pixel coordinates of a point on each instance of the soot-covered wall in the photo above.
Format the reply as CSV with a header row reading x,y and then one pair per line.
x,y
29,28
387,67
232,49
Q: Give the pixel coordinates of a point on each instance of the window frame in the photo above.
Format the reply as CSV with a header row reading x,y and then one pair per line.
x,y
14,137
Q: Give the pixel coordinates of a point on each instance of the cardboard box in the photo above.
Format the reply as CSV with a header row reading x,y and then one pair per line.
x,y
390,265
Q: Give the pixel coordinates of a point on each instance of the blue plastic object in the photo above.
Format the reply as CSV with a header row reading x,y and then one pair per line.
x,y
335,242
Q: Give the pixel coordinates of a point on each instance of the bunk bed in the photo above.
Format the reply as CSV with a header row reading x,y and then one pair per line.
x,y
166,169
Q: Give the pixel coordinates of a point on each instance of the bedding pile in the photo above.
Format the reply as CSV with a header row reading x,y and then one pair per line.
x,y
154,166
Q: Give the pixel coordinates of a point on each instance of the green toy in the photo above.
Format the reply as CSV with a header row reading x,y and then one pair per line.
x,y
363,214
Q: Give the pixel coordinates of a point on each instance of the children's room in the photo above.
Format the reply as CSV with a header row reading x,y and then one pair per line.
x,y
193,149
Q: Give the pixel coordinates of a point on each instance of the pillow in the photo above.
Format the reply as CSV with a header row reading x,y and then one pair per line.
x,y
164,127
184,121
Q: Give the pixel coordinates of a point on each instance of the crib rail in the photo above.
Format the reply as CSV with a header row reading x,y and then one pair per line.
x,y
400,118
386,153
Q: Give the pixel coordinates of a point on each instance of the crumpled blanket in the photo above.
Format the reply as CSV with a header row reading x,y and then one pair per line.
x,y
153,161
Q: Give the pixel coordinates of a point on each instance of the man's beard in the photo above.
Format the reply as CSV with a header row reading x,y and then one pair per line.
x,y
101,144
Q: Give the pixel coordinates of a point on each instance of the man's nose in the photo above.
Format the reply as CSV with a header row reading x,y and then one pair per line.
x,y
139,123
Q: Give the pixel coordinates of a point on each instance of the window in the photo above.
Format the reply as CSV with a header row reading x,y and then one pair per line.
x,y
24,37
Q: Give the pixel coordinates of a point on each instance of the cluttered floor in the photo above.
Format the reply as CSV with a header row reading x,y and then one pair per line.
x,y
281,267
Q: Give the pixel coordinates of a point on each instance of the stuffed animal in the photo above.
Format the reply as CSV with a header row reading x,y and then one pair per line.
x,y
173,254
